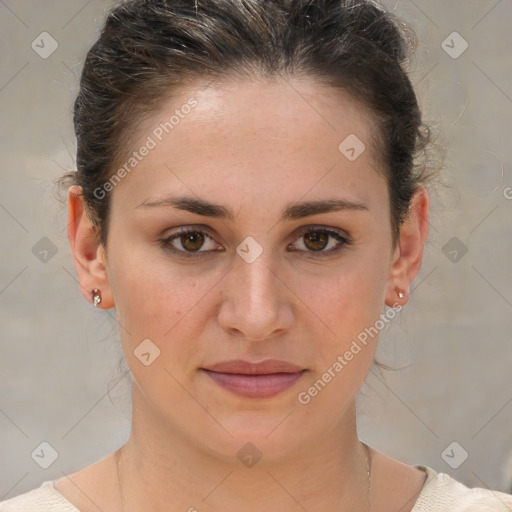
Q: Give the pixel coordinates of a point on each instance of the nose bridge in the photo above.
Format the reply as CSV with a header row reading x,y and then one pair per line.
x,y
255,303
257,285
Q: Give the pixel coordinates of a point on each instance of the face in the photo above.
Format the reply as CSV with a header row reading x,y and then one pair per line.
x,y
250,284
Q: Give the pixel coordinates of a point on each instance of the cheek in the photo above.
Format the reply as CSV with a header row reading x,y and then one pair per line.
x,y
169,305
347,299
340,315
153,300
148,288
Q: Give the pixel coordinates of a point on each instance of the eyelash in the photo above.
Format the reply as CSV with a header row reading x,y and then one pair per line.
x,y
165,243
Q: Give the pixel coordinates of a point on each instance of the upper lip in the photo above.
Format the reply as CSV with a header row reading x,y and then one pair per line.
x,y
245,367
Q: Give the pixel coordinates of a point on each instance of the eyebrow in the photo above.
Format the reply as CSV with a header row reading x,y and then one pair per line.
x,y
291,212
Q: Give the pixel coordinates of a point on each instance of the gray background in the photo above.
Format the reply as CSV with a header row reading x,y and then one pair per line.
x,y
59,355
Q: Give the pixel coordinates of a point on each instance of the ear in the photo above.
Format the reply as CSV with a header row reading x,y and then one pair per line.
x,y
408,254
88,253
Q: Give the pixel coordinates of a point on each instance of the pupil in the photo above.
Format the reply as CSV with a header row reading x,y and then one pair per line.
x,y
191,237
315,238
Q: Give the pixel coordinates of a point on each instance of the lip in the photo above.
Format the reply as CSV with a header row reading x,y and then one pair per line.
x,y
248,368
255,380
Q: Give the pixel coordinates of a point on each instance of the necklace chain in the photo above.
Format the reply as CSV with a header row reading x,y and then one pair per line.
x,y
368,465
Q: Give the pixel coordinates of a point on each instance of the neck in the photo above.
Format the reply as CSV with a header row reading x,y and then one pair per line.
x,y
161,469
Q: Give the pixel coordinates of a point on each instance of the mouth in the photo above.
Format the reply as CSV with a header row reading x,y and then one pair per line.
x,y
255,380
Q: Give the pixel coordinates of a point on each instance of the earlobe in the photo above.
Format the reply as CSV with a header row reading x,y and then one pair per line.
x,y
409,252
87,251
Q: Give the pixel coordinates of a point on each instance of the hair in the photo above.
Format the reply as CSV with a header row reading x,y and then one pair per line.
x,y
148,50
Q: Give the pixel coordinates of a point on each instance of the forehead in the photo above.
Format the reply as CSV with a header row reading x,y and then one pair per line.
x,y
286,109
248,135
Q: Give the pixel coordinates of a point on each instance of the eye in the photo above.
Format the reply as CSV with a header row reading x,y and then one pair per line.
x,y
315,240
191,240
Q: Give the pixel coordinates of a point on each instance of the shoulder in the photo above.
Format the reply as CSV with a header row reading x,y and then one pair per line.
x,y
441,492
41,499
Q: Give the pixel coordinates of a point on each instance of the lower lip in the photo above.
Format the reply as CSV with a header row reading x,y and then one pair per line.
x,y
255,386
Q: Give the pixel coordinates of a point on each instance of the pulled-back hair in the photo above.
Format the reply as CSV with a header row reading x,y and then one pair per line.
x,y
149,49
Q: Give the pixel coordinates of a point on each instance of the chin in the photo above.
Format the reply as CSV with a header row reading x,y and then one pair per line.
x,y
254,436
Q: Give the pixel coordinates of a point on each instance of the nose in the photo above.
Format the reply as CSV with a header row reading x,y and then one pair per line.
x,y
256,302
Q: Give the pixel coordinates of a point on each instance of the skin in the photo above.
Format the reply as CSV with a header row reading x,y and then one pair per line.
x,y
254,147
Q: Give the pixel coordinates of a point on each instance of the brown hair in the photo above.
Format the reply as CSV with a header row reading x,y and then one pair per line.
x,y
148,49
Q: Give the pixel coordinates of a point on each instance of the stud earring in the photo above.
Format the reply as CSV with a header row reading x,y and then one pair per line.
x,y
400,294
96,297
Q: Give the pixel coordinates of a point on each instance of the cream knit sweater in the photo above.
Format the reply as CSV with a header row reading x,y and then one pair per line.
x,y
440,493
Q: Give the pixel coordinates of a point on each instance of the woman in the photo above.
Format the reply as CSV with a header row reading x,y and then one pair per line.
x,y
248,198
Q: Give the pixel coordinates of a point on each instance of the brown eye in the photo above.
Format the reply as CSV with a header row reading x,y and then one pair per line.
x,y
316,240
192,241
314,243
